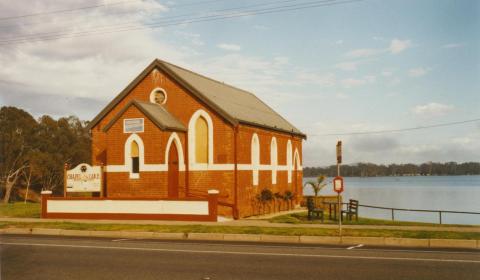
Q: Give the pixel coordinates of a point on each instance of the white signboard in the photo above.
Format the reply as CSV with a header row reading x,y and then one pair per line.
x,y
84,178
132,125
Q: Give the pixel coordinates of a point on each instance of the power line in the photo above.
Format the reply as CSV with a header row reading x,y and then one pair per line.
x,y
67,10
111,13
163,19
397,130
236,14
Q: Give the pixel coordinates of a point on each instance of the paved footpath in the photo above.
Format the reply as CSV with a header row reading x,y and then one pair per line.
x,y
249,222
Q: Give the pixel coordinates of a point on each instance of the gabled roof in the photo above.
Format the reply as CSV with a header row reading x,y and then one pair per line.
x,y
154,112
231,103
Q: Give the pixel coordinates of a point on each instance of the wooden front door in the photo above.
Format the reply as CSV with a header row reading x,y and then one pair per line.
x,y
173,171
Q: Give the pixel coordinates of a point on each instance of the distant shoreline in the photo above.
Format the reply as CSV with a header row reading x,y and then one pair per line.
x,y
435,175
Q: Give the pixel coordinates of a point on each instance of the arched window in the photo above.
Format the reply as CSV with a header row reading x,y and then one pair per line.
x,y
201,140
255,158
135,155
289,161
274,159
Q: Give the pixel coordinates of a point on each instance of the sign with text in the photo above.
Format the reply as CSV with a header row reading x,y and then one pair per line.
x,y
338,184
84,178
133,125
339,152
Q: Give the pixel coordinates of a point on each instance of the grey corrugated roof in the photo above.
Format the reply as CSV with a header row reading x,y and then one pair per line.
x,y
240,104
156,113
233,104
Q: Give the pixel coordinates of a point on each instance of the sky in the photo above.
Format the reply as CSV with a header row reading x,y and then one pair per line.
x,y
329,66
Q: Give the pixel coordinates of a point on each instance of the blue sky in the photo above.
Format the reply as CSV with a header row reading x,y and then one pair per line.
x,y
360,66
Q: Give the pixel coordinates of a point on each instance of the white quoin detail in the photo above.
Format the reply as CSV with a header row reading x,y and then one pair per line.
x,y
255,154
289,161
274,159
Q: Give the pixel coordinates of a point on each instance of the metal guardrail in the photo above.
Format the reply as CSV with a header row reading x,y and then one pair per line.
x,y
440,212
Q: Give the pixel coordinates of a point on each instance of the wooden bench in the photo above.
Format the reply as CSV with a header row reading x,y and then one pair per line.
x,y
352,210
312,210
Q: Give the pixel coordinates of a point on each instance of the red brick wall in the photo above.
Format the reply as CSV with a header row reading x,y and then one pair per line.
x,y
108,148
247,201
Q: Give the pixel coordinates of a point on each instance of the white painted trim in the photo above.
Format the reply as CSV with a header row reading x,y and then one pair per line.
x,y
296,160
212,167
289,161
152,95
255,158
191,137
127,153
274,159
178,143
199,167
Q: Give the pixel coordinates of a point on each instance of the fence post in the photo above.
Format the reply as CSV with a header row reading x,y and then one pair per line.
x,y
440,216
393,215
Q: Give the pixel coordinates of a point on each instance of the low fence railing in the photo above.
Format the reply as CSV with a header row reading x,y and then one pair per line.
x,y
440,212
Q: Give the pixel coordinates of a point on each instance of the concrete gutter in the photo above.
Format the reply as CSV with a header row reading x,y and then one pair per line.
x,y
292,239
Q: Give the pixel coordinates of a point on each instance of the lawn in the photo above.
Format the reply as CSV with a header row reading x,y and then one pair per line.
x,y
296,231
301,218
20,210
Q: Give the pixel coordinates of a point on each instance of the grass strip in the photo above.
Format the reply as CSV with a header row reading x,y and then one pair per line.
x,y
247,230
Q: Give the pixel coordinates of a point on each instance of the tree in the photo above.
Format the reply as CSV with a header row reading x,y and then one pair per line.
x,y
16,139
318,185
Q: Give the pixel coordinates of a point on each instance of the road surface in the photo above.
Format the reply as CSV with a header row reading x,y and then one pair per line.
x,y
49,257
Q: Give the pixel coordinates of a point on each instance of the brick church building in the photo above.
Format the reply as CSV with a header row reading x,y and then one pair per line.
x,y
172,133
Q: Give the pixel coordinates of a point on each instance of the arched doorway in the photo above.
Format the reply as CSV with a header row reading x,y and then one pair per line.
x,y
173,171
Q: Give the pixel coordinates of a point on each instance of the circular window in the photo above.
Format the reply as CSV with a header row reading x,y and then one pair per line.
x,y
158,96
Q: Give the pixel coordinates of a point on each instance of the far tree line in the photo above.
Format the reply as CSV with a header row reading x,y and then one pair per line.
x,y
33,152
409,169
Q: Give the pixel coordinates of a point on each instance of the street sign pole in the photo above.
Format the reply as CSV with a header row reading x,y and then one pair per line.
x,y
339,161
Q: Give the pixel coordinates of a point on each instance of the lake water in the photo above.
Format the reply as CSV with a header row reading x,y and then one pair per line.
x,y
454,193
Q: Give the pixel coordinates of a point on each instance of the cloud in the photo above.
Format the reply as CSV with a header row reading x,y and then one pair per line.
x,y
261,27
374,143
359,53
352,82
432,109
347,66
387,73
453,45
397,46
418,72
339,42
229,47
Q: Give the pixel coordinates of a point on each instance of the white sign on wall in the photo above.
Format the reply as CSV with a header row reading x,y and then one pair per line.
x,y
133,125
84,178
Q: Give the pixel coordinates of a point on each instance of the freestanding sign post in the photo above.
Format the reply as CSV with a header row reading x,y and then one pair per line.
x,y
338,188
338,185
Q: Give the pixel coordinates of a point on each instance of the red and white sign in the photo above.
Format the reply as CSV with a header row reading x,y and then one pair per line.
x,y
338,184
84,178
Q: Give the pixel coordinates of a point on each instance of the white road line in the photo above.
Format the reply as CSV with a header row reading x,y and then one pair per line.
x,y
356,246
399,249
239,253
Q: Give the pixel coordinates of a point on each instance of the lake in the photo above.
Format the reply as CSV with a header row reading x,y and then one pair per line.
x,y
454,193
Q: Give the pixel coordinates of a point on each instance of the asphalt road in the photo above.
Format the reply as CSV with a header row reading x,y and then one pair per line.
x,y
38,257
